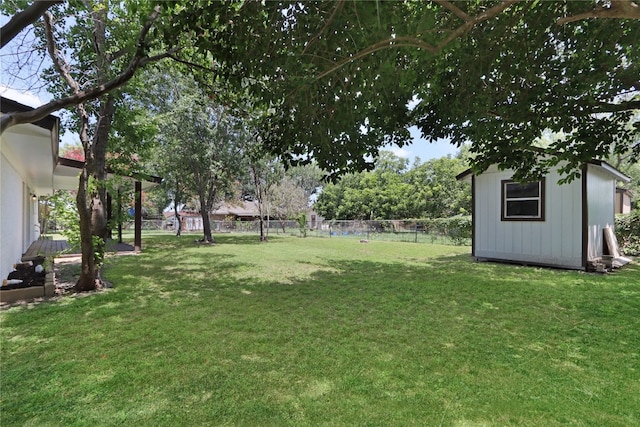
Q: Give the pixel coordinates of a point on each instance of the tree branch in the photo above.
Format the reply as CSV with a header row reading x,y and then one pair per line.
x,y
139,59
414,41
339,5
61,66
618,9
452,8
21,20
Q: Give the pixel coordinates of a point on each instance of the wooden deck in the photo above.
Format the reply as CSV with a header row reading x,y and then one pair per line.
x,y
60,248
46,248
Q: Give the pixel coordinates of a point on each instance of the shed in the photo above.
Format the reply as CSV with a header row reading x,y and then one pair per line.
x,y
542,222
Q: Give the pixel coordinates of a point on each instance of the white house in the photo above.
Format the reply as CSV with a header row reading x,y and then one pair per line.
x,y
28,157
543,223
30,168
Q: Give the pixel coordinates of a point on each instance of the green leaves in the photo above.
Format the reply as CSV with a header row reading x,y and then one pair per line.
x,y
392,192
518,77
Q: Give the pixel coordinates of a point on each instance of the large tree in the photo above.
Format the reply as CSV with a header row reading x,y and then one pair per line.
x,y
335,76
339,76
55,21
539,71
94,48
200,143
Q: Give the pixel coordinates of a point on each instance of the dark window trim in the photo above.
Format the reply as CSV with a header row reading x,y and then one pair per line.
x,y
503,195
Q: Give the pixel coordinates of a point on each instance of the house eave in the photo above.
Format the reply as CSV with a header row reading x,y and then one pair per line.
x,y
31,148
65,176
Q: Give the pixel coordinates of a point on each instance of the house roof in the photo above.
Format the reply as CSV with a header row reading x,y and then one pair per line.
x,y
31,148
240,208
467,174
66,175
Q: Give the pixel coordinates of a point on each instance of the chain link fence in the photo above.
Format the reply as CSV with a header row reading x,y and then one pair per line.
x,y
448,231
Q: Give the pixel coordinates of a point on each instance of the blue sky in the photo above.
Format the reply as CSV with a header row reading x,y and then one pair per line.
x,y
423,149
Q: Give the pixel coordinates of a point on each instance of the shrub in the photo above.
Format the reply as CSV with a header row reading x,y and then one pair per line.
x,y
628,232
457,228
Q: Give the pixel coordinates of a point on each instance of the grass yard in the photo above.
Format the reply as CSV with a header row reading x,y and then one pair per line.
x,y
326,332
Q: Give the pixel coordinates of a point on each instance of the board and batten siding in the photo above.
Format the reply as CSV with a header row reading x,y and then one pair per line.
x,y
556,241
601,190
14,212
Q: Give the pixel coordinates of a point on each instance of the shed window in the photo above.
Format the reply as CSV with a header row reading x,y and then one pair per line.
x,y
523,202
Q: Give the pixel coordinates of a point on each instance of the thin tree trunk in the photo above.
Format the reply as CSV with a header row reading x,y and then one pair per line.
x,y
88,273
97,167
259,196
178,219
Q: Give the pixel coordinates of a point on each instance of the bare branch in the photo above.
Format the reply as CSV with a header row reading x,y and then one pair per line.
x,y
618,9
21,20
139,59
60,65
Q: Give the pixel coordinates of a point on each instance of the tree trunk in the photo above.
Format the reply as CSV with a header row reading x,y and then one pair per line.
x,y
97,167
88,273
259,196
178,219
206,225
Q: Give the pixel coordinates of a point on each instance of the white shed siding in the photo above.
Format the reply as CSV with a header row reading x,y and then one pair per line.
x,y
555,241
601,190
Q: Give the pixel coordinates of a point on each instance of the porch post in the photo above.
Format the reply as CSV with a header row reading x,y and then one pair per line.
x,y
109,216
137,240
119,207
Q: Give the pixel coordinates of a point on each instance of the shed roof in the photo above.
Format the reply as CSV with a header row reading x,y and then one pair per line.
x,y
617,174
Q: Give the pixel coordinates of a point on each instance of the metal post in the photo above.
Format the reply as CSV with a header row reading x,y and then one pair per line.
x,y
137,240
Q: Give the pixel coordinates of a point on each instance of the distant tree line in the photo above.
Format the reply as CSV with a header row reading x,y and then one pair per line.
x,y
392,190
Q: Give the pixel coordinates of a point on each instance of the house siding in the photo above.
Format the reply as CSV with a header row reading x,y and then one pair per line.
x,y
601,190
14,217
555,241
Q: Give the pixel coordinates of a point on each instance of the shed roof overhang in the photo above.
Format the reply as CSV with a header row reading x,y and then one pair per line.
x,y
65,176
611,170
467,174
31,148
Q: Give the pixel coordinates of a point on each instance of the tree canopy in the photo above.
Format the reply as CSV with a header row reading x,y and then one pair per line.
x,y
530,73
391,191
340,77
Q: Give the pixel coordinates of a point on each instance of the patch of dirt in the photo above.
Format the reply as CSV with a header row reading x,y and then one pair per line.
x,y
67,272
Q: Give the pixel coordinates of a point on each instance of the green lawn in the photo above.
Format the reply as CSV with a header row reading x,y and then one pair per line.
x,y
326,332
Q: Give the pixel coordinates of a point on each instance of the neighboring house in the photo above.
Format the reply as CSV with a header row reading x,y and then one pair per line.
x,y
246,210
28,157
228,211
623,201
543,223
